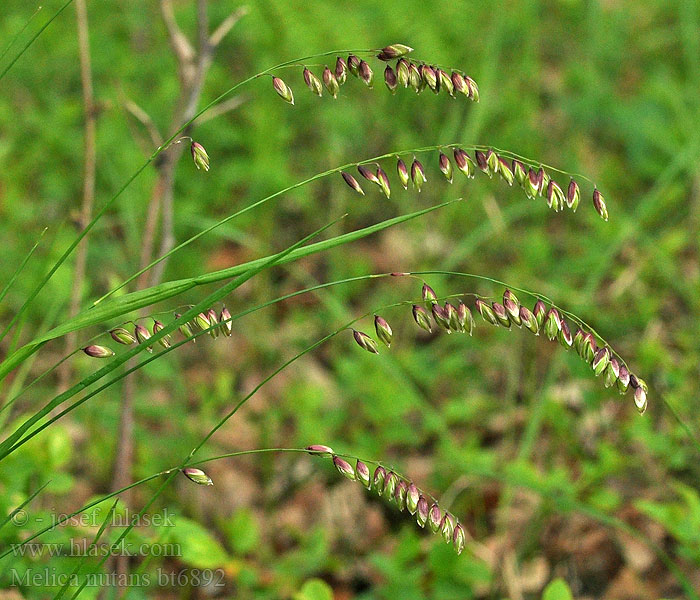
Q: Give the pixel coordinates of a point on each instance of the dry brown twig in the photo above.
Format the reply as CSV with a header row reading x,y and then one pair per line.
x,y
65,372
192,67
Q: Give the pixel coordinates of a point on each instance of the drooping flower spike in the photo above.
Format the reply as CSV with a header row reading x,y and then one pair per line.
x,y
203,321
534,179
601,359
417,75
400,493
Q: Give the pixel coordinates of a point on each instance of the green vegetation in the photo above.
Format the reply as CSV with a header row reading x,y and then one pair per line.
x,y
563,489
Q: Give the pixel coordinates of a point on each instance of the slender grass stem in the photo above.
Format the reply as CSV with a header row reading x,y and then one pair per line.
x,y
33,38
15,37
19,269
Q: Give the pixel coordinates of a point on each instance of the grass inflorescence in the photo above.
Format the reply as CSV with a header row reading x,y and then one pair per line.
x,y
547,320
400,492
532,177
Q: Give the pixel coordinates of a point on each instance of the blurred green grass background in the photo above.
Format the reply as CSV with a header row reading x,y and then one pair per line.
x,y
518,437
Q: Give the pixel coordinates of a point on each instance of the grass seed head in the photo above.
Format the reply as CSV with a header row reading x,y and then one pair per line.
x,y
540,311
341,70
366,73
313,82
331,83
446,82
352,182
197,475
430,77
402,72
555,196
447,527
528,319
599,204
142,335
601,360
428,293
573,195
435,518
640,399
509,295
96,351
492,161
199,156
213,320
284,91
390,79
402,171
486,312
378,479
362,472
365,342
383,329
464,163
185,329
368,174
501,314
318,448
165,340
400,494
226,324
544,178
202,321
445,167
482,163
422,318
532,183
623,379
588,347
390,483
519,171
458,539
505,171
452,317
612,372
459,83
415,79
383,179
412,497
552,325
354,65
122,336
512,306
422,511
394,51
417,174
344,467
441,317
473,88
465,318
565,337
